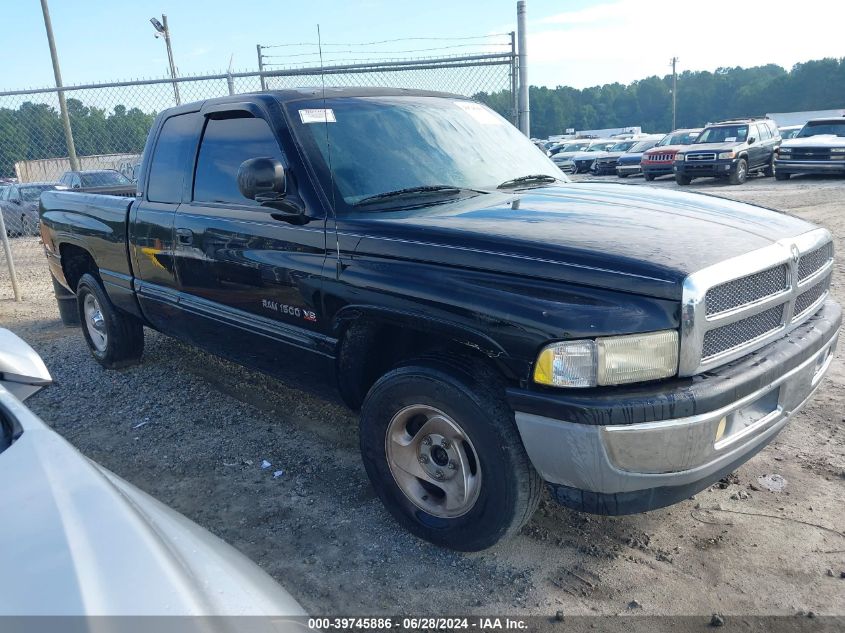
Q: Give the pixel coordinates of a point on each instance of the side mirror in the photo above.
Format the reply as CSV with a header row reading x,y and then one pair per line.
x,y
22,371
752,140
262,179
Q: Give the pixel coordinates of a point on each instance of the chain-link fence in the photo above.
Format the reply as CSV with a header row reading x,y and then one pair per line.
x,y
109,125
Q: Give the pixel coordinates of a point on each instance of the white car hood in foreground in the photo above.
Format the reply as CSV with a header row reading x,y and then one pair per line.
x,y
80,541
820,140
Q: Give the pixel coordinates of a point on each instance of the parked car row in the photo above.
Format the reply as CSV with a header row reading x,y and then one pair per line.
x,y
19,201
730,150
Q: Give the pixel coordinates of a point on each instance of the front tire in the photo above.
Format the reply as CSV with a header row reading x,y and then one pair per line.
x,y
443,453
781,176
648,177
115,338
740,174
682,180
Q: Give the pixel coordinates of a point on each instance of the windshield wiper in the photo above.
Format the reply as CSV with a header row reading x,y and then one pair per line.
x,y
530,178
411,191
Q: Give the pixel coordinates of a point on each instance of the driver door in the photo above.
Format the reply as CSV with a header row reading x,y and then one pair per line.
x,y
249,283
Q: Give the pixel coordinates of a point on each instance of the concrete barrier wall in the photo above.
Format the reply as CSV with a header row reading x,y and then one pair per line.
x,y
51,169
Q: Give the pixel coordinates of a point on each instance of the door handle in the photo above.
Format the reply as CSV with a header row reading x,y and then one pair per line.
x,y
185,236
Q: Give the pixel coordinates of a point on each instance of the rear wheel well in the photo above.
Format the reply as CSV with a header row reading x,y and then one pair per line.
x,y
370,348
76,261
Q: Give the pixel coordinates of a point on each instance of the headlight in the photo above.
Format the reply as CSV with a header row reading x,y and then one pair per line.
x,y
727,155
612,360
786,150
680,156
838,150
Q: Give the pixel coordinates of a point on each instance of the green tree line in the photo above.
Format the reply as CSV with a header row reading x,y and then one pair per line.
x,y
34,131
702,97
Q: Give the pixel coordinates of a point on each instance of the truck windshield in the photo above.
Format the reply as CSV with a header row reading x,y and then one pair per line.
x,y
822,127
430,145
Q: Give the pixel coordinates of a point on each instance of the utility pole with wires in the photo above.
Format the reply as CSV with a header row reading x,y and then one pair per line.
x,y
674,94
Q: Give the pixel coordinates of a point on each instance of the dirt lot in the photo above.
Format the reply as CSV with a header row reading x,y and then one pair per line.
x,y
193,430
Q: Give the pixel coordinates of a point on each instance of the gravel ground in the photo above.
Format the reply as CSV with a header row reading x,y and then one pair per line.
x,y
192,430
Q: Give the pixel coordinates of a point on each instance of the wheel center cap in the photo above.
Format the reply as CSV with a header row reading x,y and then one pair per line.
x,y
439,456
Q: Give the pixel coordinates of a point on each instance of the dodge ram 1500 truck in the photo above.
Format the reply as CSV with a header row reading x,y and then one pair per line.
x,y
497,325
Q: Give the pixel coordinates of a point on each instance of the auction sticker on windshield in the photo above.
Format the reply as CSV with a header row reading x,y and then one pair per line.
x,y
317,115
479,113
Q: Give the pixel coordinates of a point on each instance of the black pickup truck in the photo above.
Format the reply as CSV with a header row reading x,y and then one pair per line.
x,y
497,325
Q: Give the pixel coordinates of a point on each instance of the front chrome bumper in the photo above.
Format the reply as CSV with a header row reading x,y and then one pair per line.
x,y
810,166
648,465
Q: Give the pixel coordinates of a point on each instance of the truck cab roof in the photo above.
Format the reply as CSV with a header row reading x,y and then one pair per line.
x,y
300,94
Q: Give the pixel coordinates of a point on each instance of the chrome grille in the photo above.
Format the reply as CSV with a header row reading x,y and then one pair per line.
x,y
747,290
742,332
739,305
814,260
810,297
695,157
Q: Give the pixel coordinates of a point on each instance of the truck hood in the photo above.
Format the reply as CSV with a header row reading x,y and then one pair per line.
x,y
634,239
820,140
80,541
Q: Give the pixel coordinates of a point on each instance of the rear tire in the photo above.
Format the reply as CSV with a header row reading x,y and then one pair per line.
x,y
66,301
740,174
682,180
484,490
115,338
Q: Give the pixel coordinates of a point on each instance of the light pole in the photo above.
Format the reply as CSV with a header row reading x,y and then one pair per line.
x,y
163,30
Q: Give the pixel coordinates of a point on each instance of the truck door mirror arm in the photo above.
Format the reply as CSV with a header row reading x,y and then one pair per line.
x,y
265,181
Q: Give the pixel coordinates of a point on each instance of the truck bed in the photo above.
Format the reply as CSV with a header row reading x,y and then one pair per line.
x,y
96,222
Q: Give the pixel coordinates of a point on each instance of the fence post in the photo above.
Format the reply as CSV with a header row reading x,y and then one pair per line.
x,y
261,67
524,111
514,82
9,261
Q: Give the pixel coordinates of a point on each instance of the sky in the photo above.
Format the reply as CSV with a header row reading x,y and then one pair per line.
x,y
577,43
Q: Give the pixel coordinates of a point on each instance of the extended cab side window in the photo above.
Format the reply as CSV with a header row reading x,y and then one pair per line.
x,y
765,134
168,166
226,143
